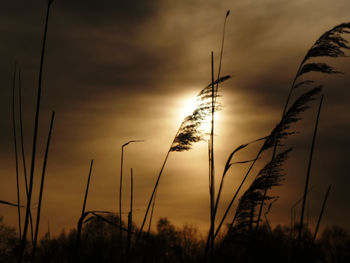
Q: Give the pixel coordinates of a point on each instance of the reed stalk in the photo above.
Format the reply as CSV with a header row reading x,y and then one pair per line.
x,y
120,196
309,172
130,216
22,149
235,196
152,211
9,203
83,213
151,198
321,213
16,154
121,189
42,186
211,158
292,213
35,135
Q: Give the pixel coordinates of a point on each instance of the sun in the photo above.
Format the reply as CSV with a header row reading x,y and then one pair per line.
x,y
188,104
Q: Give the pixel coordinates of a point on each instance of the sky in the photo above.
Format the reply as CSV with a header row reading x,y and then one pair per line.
x,y
117,70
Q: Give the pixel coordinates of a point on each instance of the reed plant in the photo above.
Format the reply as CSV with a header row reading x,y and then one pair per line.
x,y
189,133
35,135
329,44
278,134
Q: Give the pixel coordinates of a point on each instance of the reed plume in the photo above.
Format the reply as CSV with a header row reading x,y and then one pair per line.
x,y
270,175
329,44
189,133
278,134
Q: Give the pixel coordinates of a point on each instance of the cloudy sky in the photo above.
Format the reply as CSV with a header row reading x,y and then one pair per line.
x,y
118,70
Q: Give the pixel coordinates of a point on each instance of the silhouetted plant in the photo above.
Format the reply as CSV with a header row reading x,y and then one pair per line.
x,y
269,176
278,134
188,134
329,44
35,134
42,186
309,171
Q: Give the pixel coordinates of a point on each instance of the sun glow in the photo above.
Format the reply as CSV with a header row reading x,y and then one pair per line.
x,y
187,105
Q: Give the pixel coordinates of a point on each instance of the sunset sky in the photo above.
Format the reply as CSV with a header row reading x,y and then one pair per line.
x,y
122,70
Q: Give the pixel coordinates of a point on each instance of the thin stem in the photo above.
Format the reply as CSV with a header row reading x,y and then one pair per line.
x,y
35,135
22,148
16,154
213,206
87,187
212,168
230,227
130,216
152,211
234,197
309,171
23,151
120,190
42,186
265,191
83,213
131,190
221,53
21,129
120,196
322,211
293,211
152,196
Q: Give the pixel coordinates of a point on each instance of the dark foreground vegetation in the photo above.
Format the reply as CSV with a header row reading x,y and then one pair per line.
x,y
100,242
